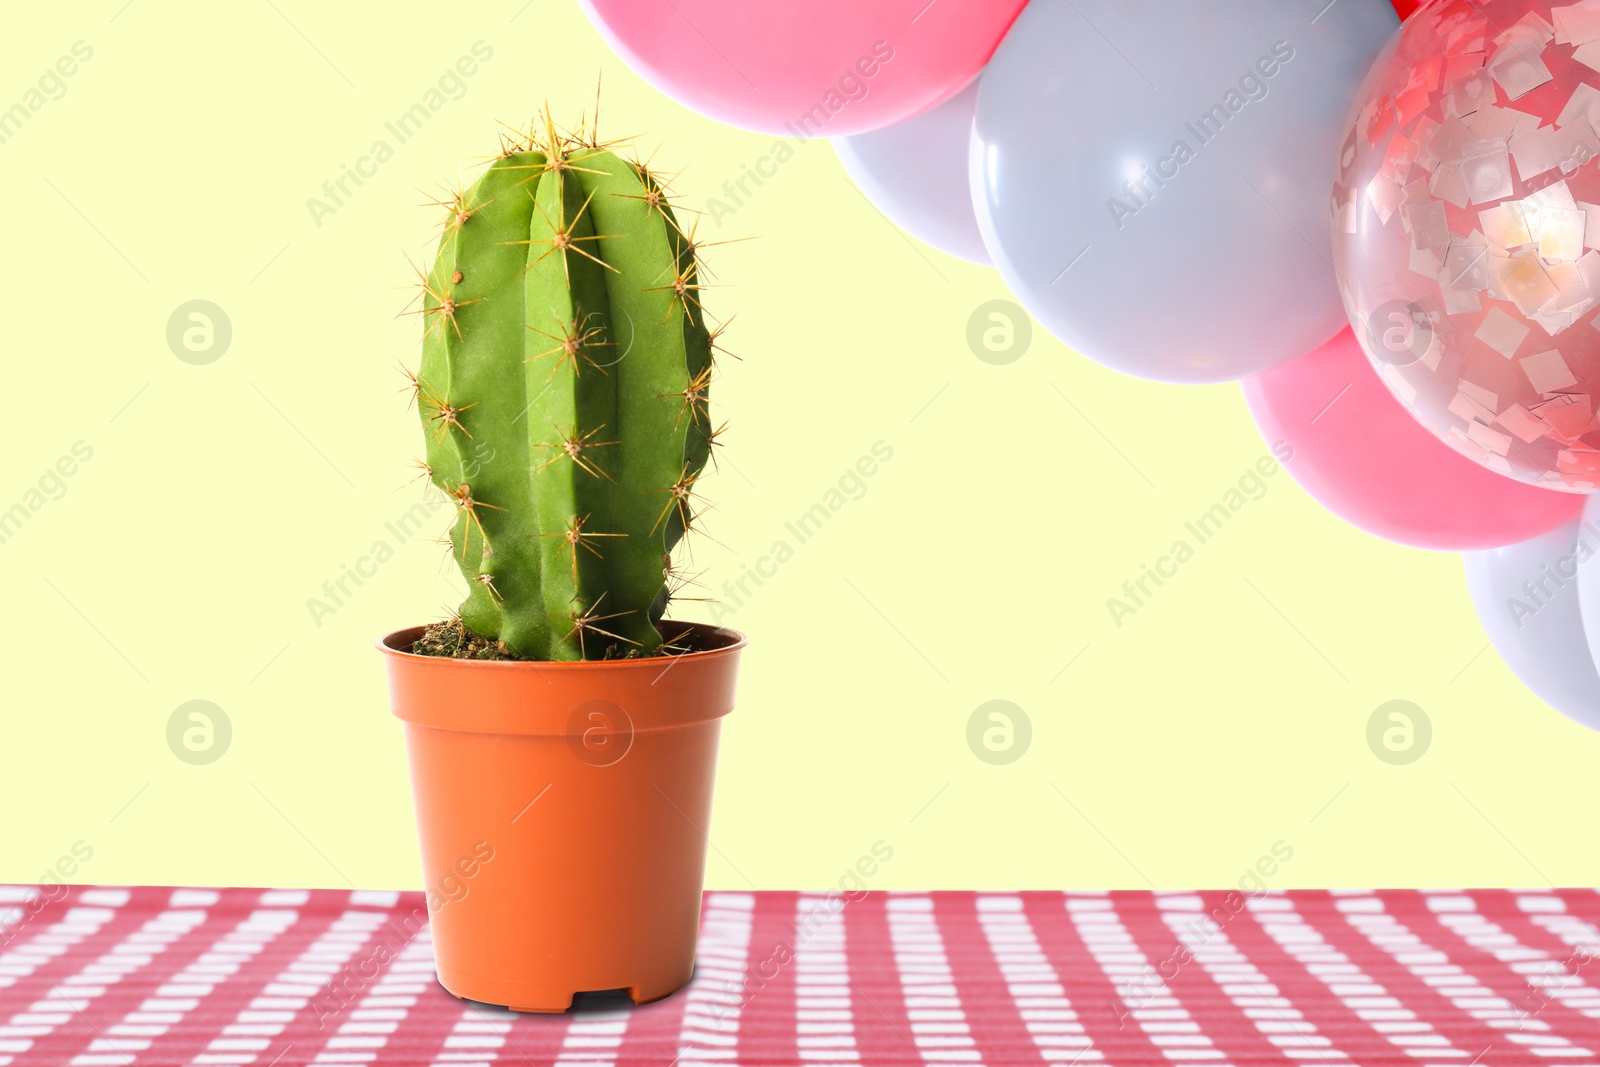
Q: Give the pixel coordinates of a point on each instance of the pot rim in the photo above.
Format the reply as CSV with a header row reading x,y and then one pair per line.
x,y
395,644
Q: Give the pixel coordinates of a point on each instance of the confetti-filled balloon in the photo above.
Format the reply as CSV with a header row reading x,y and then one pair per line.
x,y
916,173
1467,231
823,68
1151,176
1363,457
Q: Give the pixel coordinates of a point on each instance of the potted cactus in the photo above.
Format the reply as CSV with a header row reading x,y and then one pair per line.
x,y
562,733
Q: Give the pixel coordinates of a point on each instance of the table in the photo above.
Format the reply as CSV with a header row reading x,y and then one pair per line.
x,y
119,976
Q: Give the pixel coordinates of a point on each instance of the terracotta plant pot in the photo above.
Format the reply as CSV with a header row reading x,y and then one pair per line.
x,y
562,810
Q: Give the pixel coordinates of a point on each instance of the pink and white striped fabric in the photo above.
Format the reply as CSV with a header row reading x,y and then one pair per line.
x,y
115,977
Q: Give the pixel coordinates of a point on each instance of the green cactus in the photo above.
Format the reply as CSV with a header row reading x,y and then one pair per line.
x,y
563,390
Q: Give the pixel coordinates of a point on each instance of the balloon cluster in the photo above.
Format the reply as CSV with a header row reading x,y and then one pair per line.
x,y
1391,238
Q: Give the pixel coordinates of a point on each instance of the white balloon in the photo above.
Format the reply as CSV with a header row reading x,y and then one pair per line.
x,y
1152,176
1527,597
916,173
1589,576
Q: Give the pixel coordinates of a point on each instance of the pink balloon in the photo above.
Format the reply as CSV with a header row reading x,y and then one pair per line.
x,y
1362,456
823,68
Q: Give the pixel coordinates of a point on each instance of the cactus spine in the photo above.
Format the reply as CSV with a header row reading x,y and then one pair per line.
x,y
563,390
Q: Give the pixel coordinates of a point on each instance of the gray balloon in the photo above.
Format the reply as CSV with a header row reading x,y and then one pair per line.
x,y
1527,597
916,173
1152,177
1589,579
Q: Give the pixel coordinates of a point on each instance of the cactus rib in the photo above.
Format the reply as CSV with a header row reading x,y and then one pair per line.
x,y
564,391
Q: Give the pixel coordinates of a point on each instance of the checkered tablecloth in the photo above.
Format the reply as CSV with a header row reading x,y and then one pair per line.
x,y
284,977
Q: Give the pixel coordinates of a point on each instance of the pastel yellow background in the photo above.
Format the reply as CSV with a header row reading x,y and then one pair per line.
x,y
1228,714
